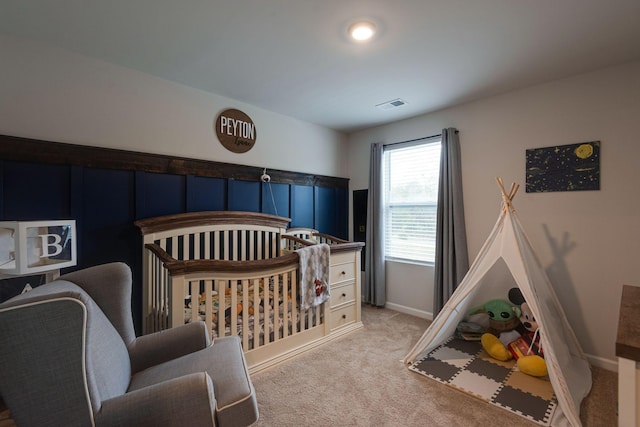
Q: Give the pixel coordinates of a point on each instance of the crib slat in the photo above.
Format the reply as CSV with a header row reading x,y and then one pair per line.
x,y
207,248
276,307
245,314
294,302
208,304
159,292
151,292
159,303
220,287
285,301
251,245
215,299
216,245
233,317
186,246
260,243
225,245
160,307
195,301
256,313
196,246
151,287
267,310
242,250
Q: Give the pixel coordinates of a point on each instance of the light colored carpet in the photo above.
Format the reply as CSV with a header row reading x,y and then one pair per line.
x,y
358,380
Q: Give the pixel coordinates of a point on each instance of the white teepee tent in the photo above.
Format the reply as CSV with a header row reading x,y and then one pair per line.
x,y
569,370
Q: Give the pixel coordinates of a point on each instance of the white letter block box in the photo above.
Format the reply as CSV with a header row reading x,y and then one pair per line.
x,y
28,247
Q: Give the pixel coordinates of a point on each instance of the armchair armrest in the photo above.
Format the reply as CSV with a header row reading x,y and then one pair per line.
x,y
159,347
187,400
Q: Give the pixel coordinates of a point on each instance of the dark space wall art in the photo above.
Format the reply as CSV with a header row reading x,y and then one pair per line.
x,y
573,167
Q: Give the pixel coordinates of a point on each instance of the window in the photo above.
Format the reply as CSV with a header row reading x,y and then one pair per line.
x,y
410,176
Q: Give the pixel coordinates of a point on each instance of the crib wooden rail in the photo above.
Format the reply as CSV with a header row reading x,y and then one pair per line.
x,y
175,267
210,218
296,238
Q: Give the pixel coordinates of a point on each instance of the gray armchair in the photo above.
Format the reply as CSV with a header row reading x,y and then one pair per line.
x,y
69,357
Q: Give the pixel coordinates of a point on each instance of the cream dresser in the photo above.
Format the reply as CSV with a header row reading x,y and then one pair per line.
x,y
344,285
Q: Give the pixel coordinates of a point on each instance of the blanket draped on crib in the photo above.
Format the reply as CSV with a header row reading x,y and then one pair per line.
x,y
314,275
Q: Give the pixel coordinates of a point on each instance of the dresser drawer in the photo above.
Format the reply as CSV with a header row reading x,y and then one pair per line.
x,y
342,294
343,316
342,272
341,258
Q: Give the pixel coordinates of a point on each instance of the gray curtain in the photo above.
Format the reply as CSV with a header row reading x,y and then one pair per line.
x,y
452,260
375,286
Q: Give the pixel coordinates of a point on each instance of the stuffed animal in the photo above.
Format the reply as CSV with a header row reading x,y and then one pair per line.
x,y
503,320
527,349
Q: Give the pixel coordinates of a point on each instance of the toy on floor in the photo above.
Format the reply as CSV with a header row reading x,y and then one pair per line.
x,y
527,349
514,334
470,331
503,320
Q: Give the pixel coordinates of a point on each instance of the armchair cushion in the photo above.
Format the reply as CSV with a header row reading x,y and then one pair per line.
x,y
158,347
235,395
185,400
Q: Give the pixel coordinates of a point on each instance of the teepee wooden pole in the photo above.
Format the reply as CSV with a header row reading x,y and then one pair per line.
x,y
513,190
508,197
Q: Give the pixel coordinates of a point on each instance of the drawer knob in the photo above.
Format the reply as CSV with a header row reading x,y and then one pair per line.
x,y
344,295
344,316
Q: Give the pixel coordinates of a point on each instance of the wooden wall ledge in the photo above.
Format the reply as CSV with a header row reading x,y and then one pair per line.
x,y
37,151
628,339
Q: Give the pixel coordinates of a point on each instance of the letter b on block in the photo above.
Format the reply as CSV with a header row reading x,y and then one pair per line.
x,y
52,248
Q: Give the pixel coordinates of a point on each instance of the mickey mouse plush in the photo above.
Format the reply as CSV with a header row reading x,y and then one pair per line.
x,y
527,349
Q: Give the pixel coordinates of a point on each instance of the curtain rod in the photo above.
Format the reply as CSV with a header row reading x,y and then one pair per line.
x,y
412,140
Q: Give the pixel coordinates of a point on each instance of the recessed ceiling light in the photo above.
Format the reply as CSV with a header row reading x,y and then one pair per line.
x,y
362,30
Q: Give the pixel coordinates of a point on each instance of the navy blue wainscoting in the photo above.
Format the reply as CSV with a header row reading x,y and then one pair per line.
x,y
206,194
243,196
34,191
302,211
106,202
275,199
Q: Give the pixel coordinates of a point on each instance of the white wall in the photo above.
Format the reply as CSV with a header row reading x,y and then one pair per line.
x,y
55,95
588,241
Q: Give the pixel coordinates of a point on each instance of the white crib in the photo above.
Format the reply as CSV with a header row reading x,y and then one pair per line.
x,y
238,272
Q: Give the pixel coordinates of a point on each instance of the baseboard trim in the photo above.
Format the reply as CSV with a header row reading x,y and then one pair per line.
x,y
601,362
409,310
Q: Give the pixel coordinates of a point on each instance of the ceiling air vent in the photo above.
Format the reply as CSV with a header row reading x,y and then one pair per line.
x,y
390,105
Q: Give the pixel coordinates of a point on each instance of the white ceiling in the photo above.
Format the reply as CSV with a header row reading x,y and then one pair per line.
x,y
293,57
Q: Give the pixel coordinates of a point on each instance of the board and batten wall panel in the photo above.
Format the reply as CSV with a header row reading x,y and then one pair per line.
x,y
105,192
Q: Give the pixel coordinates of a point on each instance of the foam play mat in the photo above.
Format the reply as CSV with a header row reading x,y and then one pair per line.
x,y
465,366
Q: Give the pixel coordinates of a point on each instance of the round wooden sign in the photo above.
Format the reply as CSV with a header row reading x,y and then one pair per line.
x,y
235,131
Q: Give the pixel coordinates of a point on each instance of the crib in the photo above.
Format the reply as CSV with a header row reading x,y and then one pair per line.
x,y
239,273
